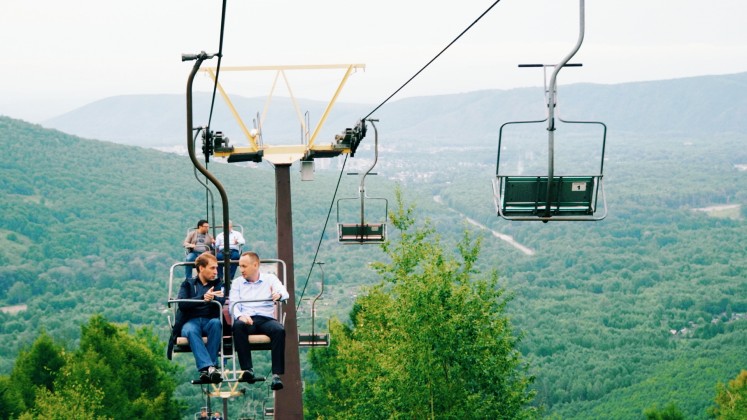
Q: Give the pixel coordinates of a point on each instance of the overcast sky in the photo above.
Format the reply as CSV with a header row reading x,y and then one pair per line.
x,y
60,55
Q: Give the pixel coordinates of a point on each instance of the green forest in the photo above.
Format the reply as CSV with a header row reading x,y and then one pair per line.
x,y
644,311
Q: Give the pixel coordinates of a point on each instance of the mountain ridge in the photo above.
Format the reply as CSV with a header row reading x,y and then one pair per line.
x,y
699,104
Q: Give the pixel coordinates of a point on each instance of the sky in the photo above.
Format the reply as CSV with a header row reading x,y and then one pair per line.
x,y
61,55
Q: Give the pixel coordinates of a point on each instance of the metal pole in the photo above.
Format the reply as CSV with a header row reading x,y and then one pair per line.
x,y
288,402
362,186
551,107
191,149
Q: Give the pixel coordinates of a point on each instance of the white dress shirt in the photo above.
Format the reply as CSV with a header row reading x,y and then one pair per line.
x,y
264,288
235,240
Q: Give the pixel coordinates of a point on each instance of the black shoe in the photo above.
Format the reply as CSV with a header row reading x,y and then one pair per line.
x,y
248,376
214,375
277,384
204,377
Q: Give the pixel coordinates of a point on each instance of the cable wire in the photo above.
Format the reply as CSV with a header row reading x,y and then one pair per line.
x,y
321,237
220,57
432,59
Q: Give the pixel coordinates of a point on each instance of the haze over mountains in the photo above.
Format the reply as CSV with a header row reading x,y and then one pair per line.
x,y
695,105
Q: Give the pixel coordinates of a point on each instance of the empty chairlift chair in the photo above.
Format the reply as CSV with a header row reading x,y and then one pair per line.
x,y
550,196
362,231
315,339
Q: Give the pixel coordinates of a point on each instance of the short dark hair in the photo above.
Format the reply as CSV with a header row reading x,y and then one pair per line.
x,y
201,222
204,259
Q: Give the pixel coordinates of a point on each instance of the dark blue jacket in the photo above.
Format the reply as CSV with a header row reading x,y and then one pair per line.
x,y
192,289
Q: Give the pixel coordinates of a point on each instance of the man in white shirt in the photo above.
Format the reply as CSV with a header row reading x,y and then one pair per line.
x,y
235,242
257,317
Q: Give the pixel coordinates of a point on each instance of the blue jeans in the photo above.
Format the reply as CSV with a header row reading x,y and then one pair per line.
x,y
191,257
194,330
232,269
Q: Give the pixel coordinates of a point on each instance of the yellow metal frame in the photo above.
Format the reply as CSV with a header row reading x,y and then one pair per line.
x,y
284,154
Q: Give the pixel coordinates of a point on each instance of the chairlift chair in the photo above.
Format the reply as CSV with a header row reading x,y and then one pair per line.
x,y
314,339
546,197
364,232
259,342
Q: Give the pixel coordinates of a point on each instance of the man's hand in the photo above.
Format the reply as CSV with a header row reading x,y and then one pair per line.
x,y
209,295
246,320
274,295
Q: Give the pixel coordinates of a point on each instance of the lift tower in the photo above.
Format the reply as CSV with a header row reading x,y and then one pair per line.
x,y
288,402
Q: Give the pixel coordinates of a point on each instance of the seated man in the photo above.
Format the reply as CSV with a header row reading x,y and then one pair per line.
x,y
235,242
197,242
200,319
257,317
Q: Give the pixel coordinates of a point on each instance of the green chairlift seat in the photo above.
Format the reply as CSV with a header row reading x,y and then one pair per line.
x,y
525,197
358,233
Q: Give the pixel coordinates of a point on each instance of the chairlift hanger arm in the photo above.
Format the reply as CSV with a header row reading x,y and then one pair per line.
x,y
551,106
191,149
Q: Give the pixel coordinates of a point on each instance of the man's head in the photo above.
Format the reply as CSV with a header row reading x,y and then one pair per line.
x,y
202,226
207,266
249,265
230,225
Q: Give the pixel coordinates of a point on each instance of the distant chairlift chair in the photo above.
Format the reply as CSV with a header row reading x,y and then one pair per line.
x,y
314,339
363,232
551,197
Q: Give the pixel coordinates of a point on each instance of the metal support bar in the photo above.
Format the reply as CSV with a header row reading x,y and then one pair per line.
x,y
551,106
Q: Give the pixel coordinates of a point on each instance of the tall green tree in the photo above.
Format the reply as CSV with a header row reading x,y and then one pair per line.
x,y
113,374
731,399
128,368
431,340
36,369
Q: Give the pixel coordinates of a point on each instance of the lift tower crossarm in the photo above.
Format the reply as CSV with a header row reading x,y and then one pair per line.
x,y
285,154
252,139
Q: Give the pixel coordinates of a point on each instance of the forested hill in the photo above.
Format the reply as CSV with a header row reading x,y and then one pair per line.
x,y
706,104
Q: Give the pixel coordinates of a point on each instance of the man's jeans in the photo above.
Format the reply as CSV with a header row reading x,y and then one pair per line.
x,y
194,330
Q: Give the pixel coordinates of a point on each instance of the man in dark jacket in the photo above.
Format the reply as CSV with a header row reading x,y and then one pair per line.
x,y
203,318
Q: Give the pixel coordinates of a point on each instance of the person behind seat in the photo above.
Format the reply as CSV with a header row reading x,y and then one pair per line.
x,y
203,318
257,317
235,242
197,242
